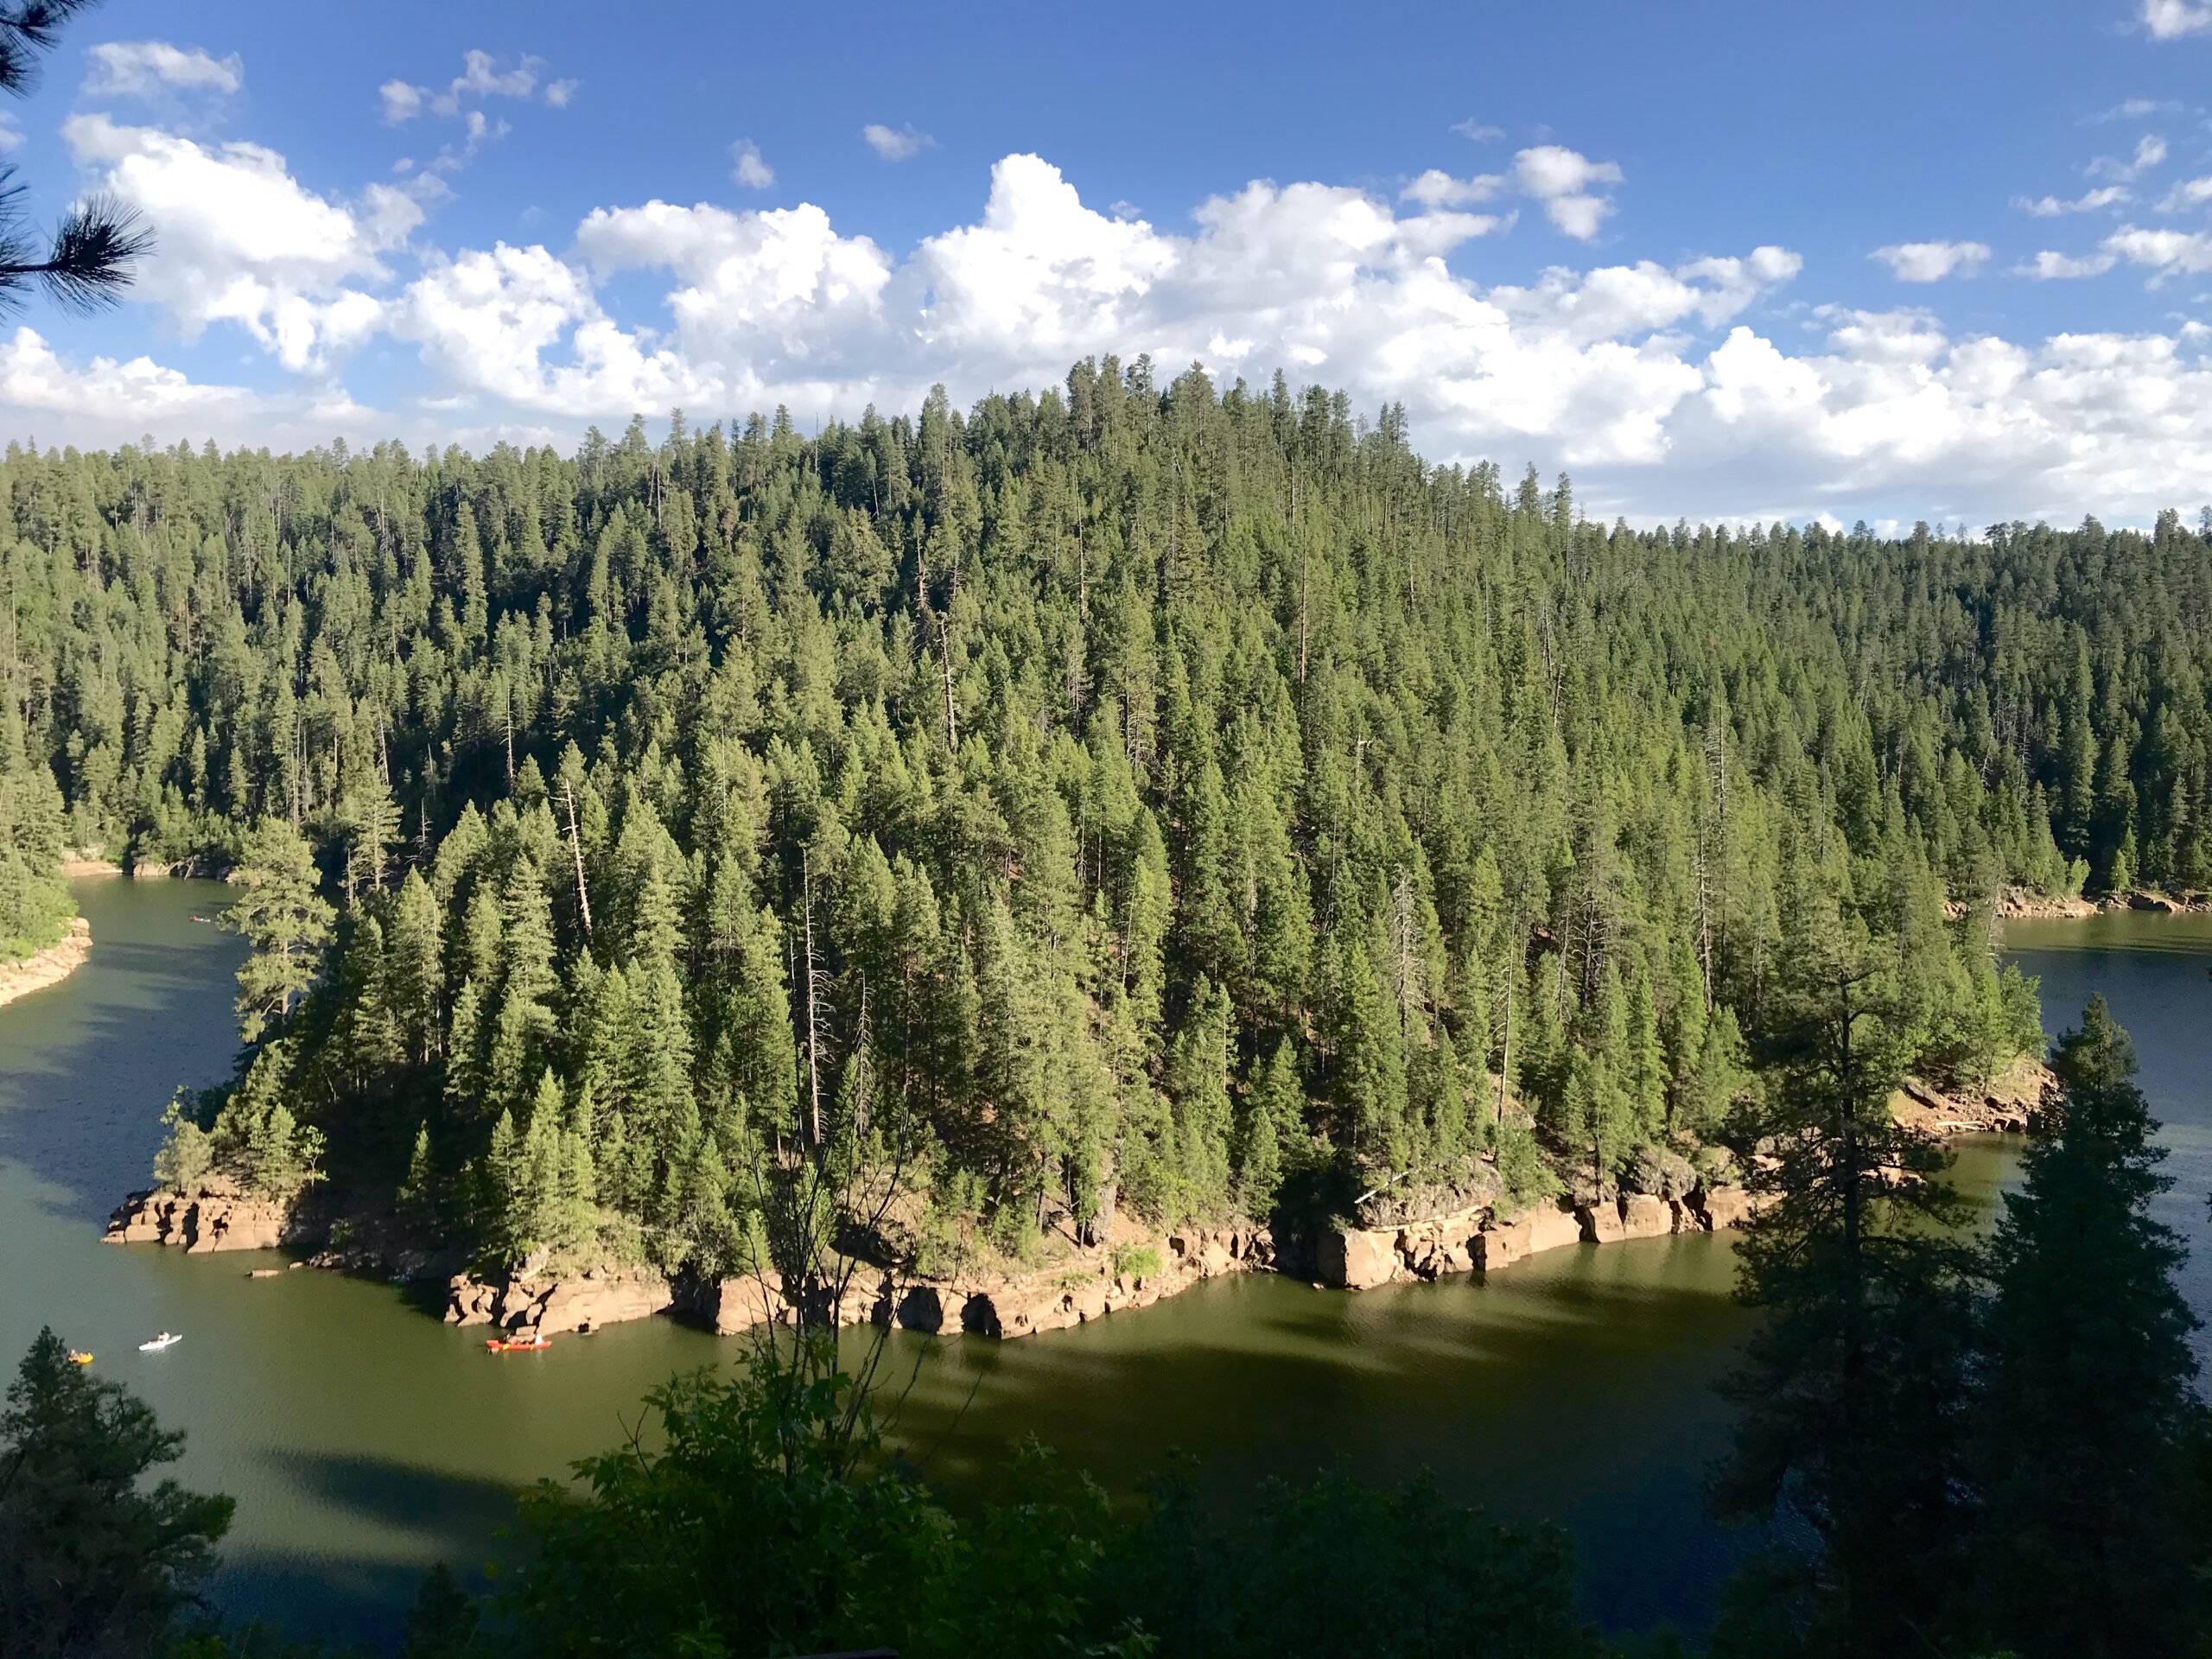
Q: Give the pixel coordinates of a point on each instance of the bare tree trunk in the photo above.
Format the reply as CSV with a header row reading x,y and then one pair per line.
x,y
813,1000
576,851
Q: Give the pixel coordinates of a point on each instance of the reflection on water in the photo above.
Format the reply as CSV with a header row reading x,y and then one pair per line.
x,y
364,1439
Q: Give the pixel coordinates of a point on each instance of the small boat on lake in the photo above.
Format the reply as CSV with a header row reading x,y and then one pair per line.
x,y
78,1357
529,1344
167,1339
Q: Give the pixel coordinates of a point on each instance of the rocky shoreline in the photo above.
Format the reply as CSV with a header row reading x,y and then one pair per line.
x,y
2017,904
47,966
1135,1270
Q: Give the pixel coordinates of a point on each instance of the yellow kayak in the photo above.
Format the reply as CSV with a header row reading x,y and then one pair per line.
x,y
78,1357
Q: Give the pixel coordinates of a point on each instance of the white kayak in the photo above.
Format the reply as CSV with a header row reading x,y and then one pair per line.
x,y
167,1339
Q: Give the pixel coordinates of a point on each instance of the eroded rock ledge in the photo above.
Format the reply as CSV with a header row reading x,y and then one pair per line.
x,y
47,966
1069,1293
1478,1240
216,1215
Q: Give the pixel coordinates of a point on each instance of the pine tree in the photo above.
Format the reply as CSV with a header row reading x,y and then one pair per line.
x,y
285,919
2081,1548
91,1561
1851,1399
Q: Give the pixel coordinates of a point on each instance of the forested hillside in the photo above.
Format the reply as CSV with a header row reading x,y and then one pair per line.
x,y
1154,793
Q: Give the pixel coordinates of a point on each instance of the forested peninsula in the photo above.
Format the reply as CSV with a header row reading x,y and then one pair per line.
x,y
965,842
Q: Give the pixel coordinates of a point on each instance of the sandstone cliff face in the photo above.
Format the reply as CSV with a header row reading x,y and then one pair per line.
x,y
47,966
215,1216
1478,1241
529,1306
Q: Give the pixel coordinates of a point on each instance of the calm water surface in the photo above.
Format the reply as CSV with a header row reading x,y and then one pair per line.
x,y
364,1439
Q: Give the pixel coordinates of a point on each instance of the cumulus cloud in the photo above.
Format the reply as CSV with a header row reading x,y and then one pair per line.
x,y
1437,189
32,377
2168,20
1562,179
1666,387
2149,152
480,78
2191,193
895,143
747,167
145,68
1477,131
2165,253
2059,267
241,241
1931,262
2090,201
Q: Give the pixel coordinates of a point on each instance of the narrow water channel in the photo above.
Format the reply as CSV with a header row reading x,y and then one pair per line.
x,y
364,1439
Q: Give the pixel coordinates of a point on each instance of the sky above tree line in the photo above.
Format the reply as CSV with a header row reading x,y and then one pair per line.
x,y
1896,262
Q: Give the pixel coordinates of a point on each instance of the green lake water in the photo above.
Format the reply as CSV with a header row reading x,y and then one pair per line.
x,y
365,1440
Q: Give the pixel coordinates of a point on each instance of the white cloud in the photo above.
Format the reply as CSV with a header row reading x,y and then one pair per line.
x,y
2135,109
1662,386
2149,152
144,68
1618,300
2167,253
2168,20
2191,193
1889,338
1475,131
241,241
480,78
488,319
11,136
1437,189
895,143
2058,266
1561,179
1930,262
747,167
2109,195
104,390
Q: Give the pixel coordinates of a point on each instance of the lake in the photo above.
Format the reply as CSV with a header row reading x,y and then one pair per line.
x,y
364,1439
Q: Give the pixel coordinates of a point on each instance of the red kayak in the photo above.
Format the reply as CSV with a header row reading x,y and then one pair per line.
x,y
517,1344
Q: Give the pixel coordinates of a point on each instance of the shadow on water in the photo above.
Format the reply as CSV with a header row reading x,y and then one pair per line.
x,y
405,1519
1577,1390
86,1065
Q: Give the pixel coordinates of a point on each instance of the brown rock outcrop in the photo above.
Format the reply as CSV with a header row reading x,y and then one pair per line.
x,y
1716,1207
1600,1222
584,1302
1551,1226
742,1302
1358,1259
1499,1245
216,1217
2008,1103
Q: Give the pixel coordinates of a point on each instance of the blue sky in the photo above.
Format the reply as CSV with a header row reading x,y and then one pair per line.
x,y
1886,261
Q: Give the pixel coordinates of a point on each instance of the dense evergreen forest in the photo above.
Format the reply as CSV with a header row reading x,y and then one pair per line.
x,y
1157,796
